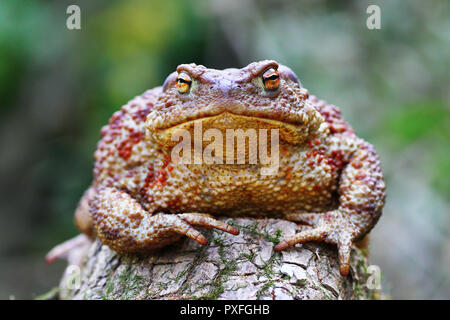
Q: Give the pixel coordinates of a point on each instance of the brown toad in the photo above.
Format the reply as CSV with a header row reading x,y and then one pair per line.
x,y
141,199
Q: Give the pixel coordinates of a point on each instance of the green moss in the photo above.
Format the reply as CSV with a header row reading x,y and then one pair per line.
x,y
284,276
129,282
181,274
268,266
249,256
254,230
228,267
358,292
362,265
132,283
324,290
263,291
214,294
109,288
216,239
222,276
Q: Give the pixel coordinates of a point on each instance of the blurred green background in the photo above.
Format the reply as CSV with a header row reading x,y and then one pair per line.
x,y
59,86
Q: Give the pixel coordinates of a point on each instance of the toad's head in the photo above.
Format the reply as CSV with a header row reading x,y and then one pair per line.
x,y
263,95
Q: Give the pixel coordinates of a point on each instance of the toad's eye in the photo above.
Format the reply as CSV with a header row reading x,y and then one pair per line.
x,y
184,82
271,79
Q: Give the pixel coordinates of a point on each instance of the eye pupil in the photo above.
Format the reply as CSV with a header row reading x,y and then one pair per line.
x,y
184,82
271,79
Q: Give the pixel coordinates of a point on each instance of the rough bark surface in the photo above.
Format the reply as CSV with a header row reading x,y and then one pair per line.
x,y
229,267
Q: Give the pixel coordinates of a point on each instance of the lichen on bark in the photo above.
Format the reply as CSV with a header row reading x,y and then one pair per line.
x,y
229,267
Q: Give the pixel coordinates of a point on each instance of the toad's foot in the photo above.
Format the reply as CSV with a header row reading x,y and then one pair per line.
x,y
125,226
361,199
156,231
331,227
73,250
205,221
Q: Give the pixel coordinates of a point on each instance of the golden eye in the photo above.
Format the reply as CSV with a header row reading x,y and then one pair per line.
x,y
184,82
271,79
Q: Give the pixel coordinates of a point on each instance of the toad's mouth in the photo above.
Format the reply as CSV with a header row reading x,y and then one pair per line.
x,y
289,133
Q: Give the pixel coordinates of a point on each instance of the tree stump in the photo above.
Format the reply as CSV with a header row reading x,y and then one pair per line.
x,y
228,267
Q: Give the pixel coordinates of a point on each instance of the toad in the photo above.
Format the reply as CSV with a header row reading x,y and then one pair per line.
x,y
141,199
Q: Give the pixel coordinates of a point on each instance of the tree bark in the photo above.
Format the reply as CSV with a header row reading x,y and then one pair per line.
x,y
229,267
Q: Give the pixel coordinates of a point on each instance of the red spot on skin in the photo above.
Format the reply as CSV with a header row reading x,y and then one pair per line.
x,y
124,149
357,165
136,136
155,179
166,162
360,176
125,146
333,129
149,180
353,207
115,121
149,177
141,114
332,116
288,175
337,159
160,178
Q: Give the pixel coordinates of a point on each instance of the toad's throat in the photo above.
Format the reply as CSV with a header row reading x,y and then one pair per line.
x,y
289,133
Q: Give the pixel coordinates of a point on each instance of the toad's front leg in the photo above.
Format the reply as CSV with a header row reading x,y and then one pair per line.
x,y
361,199
122,223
